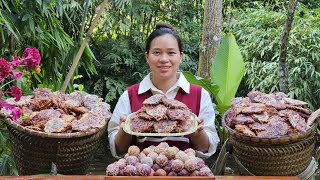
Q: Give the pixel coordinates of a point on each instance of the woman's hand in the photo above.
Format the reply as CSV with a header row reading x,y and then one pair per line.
x,y
122,120
123,140
199,139
199,129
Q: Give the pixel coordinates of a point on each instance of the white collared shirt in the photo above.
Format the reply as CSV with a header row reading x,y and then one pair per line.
x,y
206,112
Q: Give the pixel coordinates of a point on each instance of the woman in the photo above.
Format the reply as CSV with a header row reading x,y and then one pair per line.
x,y
164,54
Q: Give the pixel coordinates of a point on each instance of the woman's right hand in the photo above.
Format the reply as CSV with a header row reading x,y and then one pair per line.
x,y
123,139
122,120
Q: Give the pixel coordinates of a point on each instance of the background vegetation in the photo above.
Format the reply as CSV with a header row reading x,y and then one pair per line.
x,y
114,58
257,26
258,34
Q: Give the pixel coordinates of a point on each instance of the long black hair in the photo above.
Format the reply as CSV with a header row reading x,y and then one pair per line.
x,y
162,29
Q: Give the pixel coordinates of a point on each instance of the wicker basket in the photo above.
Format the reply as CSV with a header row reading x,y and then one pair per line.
x,y
34,151
278,156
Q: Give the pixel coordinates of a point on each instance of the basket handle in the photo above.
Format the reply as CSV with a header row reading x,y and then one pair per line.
x,y
241,166
220,164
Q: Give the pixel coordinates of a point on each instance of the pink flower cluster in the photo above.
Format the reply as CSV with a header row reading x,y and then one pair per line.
x,y
30,60
4,69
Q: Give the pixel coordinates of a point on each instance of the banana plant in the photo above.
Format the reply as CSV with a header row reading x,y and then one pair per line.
x,y
226,73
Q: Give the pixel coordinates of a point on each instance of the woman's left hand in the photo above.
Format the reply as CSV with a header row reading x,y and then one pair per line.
x,y
199,138
199,129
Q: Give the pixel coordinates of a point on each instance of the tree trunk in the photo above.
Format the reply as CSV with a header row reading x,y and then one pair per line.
x,y
211,36
283,69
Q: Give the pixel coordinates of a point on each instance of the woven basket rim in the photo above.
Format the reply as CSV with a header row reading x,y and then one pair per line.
x,y
52,135
272,140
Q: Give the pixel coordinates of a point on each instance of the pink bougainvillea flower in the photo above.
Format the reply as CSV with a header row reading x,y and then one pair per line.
x,y
15,61
6,105
16,75
2,103
9,106
16,92
16,113
4,69
31,58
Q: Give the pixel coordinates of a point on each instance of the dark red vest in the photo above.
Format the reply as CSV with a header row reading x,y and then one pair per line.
x,y
192,100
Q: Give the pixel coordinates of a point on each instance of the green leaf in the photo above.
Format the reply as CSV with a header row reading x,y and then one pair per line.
x,y
8,26
59,7
3,139
39,2
31,25
206,84
4,165
6,5
24,85
81,87
26,17
67,62
227,71
41,86
37,78
77,77
222,108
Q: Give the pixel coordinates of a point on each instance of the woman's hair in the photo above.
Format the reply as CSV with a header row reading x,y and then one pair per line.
x,y
162,29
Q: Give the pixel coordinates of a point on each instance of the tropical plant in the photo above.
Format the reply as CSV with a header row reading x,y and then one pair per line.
x,y
227,71
52,27
39,24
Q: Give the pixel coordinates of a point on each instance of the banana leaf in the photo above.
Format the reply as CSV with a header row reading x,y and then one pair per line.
x,y
227,71
205,83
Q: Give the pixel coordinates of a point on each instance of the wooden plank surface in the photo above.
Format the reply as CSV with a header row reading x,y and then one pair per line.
x,y
83,177
256,178
204,178
159,178
101,177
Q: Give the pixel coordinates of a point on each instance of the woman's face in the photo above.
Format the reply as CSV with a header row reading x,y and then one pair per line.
x,y
164,57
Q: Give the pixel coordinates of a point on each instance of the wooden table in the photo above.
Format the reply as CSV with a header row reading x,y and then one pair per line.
x,y
101,177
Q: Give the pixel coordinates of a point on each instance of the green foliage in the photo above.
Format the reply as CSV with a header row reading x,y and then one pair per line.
x,y
274,4
49,26
7,163
121,63
258,32
205,83
226,73
119,42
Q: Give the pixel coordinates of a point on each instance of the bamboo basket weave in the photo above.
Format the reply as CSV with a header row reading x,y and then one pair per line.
x,y
278,156
34,151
